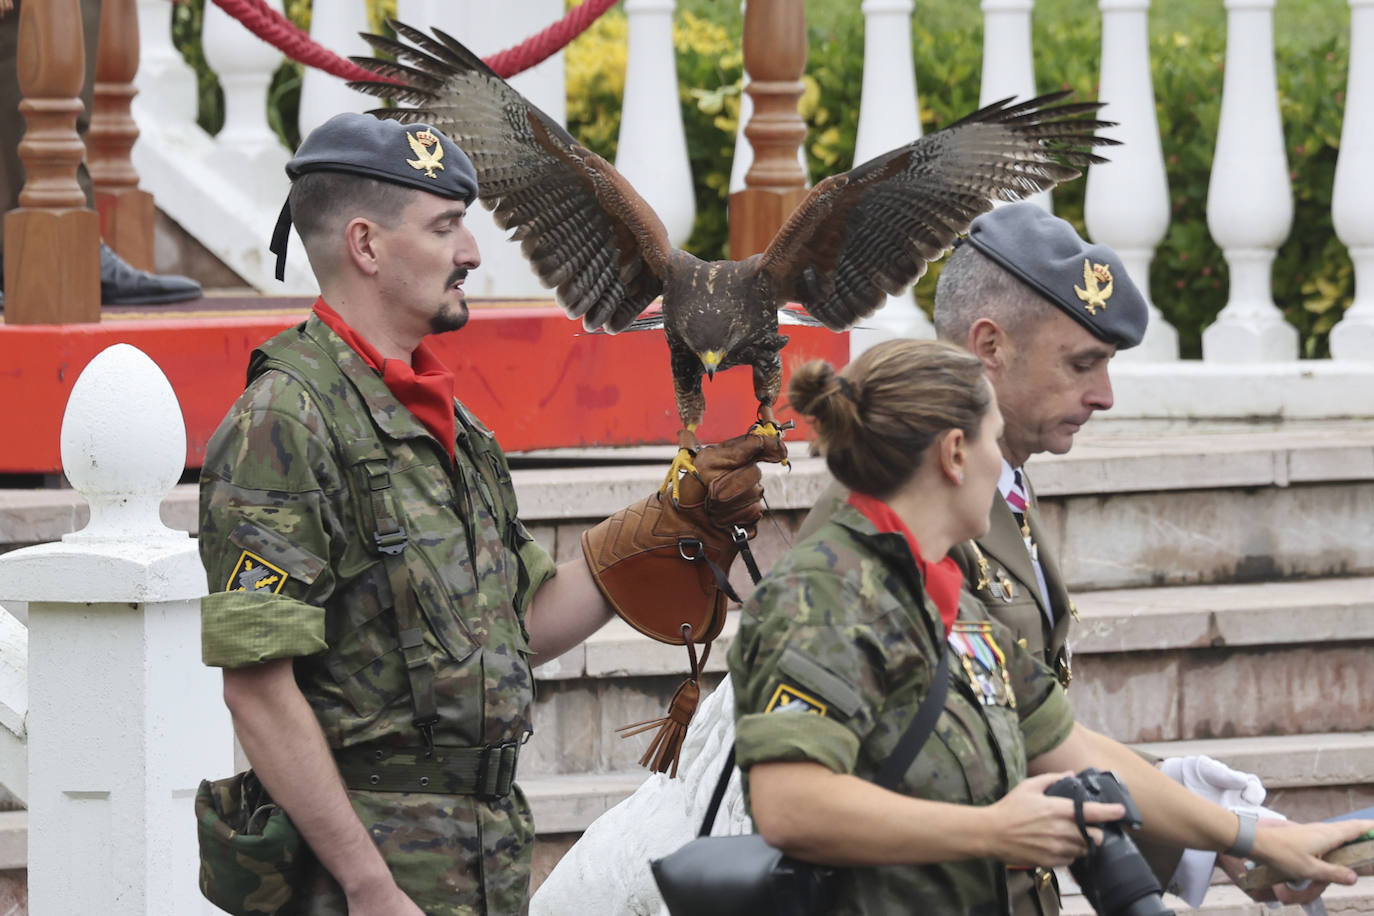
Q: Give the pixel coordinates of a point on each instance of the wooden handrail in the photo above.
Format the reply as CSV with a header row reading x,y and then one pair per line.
x,y
126,214
52,242
774,58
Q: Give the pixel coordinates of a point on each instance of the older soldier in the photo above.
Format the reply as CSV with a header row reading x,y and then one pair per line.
x,y
377,604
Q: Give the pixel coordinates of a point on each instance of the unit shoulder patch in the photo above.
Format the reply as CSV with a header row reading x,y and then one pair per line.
x,y
789,699
254,574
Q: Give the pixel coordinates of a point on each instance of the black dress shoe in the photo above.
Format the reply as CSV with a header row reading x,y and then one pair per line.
x,y
121,284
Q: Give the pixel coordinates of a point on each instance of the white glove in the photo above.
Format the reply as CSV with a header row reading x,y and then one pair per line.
x,y
1215,781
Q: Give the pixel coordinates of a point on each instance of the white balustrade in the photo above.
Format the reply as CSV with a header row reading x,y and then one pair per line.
x,y
1249,201
1352,197
334,24
504,274
1127,199
123,720
166,83
652,149
889,117
1008,68
245,65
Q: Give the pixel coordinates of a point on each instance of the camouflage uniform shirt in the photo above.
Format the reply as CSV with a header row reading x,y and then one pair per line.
x,y
292,575
835,630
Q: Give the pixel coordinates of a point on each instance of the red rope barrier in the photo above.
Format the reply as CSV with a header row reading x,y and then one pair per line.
x,y
278,31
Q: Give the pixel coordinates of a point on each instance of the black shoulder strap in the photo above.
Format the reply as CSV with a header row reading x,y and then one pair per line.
x,y
369,478
902,756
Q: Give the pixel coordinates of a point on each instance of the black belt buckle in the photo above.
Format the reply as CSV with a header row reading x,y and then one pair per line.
x,y
505,773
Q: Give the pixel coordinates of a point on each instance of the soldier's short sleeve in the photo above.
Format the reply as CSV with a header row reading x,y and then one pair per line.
x,y
538,568
264,523
1044,710
806,689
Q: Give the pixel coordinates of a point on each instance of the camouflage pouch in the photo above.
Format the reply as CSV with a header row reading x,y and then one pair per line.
x,y
253,862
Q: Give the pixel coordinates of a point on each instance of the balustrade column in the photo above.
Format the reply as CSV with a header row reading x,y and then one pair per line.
x,y
335,24
1008,66
1249,200
889,117
1352,197
1127,201
245,64
52,242
504,272
652,149
127,214
166,84
774,59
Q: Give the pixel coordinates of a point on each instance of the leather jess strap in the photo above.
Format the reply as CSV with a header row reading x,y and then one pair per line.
x,y
487,772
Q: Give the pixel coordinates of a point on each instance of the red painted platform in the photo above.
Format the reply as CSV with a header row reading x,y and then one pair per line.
x,y
524,368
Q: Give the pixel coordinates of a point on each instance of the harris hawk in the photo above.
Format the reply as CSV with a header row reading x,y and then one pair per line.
x,y
855,239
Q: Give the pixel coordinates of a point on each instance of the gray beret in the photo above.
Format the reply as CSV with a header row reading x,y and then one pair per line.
x,y
1089,282
413,155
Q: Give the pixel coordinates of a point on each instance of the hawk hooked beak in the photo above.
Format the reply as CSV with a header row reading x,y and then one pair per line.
x,y
711,360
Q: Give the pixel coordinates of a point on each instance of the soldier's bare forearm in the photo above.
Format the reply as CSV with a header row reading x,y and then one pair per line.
x,y
287,749
566,610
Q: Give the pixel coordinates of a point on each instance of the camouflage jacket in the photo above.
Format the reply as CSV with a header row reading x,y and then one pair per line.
x,y
285,544
998,570
836,630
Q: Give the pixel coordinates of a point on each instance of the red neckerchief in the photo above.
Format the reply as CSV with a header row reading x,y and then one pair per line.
x,y
425,387
943,580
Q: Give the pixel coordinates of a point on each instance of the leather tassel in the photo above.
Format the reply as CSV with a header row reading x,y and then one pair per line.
x,y
666,747
664,750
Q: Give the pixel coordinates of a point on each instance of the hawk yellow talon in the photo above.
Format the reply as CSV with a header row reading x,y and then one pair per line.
x,y
771,427
682,464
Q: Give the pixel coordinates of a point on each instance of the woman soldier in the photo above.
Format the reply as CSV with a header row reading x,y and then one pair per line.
x,y
836,650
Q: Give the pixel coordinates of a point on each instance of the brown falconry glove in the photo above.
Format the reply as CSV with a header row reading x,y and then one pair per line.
x,y
663,567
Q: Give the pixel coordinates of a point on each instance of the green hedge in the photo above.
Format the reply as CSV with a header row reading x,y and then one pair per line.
x,y
1313,276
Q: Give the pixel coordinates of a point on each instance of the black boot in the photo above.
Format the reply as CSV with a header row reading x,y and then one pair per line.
x,y
121,284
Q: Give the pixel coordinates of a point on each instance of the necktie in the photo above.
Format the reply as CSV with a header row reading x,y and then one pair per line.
x,y
1016,499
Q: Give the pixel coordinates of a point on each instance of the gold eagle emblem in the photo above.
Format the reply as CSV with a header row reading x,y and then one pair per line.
x,y
1097,286
425,160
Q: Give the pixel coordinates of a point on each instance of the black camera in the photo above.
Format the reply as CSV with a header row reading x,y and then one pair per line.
x,y
1113,875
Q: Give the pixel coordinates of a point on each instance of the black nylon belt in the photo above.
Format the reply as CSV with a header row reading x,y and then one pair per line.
x,y
487,772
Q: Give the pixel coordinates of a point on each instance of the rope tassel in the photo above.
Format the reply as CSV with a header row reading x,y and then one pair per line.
x,y
666,746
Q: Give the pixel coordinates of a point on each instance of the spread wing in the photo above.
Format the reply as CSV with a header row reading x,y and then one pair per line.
x,y
584,229
870,232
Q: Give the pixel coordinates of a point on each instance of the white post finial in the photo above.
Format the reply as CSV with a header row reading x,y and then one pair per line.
x,y
1127,199
123,445
334,24
652,151
1249,200
1352,197
889,117
1008,66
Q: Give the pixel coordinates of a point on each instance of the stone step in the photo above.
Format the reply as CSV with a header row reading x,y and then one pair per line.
x,y
1133,505
1159,664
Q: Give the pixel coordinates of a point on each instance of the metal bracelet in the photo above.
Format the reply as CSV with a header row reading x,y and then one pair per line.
x,y
1245,835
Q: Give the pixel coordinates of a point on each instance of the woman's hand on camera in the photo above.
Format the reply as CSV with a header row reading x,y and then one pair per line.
x,y
1028,827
